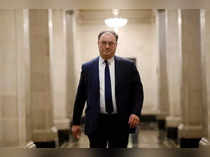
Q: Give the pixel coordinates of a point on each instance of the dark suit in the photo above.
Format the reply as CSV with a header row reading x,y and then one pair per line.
x,y
128,89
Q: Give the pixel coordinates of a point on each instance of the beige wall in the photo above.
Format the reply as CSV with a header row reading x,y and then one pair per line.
x,y
14,78
8,84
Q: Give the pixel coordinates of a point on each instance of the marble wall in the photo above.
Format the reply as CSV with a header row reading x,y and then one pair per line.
x,y
15,78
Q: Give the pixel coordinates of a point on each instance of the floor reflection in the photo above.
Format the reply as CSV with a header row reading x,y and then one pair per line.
x,y
148,136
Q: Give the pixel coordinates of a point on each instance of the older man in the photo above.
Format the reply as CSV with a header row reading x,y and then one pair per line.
x,y
113,90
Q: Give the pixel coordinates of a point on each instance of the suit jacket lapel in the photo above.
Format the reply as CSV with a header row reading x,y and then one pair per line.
x,y
96,72
96,80
117,78
117,73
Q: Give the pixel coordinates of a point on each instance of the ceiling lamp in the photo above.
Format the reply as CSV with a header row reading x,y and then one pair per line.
x,y
116,21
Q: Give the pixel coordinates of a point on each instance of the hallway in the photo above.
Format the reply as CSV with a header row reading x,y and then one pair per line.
x,y
42,52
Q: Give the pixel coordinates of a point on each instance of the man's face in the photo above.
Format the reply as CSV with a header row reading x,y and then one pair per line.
x,y
107,45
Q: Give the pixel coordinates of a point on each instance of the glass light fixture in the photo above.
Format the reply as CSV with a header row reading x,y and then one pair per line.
x,y
116,21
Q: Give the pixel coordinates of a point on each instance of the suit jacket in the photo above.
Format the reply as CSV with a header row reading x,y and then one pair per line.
x,y
128,89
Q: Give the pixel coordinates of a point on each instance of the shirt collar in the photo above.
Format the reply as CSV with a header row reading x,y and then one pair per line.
x,y
109,60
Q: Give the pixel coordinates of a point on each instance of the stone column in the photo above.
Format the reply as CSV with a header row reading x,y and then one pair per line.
x,y
207,45
41,90
14,78
163,80
72,59
24,78
190,131
58,71
173,72
205,39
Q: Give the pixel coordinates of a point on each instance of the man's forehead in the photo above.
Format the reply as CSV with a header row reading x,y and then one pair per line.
x,y
107,35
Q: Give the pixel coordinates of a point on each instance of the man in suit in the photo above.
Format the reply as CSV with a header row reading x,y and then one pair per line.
x,y
112,88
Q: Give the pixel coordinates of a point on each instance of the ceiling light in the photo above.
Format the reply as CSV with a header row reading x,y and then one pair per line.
x,y
115,22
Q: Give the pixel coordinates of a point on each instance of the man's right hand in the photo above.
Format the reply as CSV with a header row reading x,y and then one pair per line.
x,y
76,131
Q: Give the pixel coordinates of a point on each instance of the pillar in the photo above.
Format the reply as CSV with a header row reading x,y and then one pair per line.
x,y
41,90
190,130
205,39
173,73
163,80
58,71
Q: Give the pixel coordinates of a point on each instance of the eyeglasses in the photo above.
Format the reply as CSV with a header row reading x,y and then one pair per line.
x,y
104,43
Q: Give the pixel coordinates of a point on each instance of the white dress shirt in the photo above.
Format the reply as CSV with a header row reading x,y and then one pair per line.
x,y
102,65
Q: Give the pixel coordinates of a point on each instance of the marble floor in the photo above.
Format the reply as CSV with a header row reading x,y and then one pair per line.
x,y
148,137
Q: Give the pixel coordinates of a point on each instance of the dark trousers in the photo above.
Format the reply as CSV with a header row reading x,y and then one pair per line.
x,y
111,132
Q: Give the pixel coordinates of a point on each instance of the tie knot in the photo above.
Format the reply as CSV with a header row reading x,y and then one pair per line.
x,y
106,62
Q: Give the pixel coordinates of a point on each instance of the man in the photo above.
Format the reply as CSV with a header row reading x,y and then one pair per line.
x,y
113,90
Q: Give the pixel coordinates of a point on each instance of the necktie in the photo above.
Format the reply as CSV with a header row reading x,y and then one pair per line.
x,y
108,90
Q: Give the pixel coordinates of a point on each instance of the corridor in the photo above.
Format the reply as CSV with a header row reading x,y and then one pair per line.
x,y
42,52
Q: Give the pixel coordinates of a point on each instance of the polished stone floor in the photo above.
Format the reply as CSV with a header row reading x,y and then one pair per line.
x,y
148,137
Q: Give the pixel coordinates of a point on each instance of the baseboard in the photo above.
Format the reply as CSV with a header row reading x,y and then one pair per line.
x,y
172,133
189,142
45,144
161,124
63,136
148,118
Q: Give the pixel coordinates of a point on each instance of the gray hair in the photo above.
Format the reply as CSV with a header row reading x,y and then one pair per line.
x,y
112,32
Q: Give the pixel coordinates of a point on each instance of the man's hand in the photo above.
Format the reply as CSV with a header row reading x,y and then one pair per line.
x,y
76,131
133,120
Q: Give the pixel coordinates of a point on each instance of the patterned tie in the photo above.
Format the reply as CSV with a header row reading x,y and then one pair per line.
x,y
108,90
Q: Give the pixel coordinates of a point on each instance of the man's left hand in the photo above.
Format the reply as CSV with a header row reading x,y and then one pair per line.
x,y
133,121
